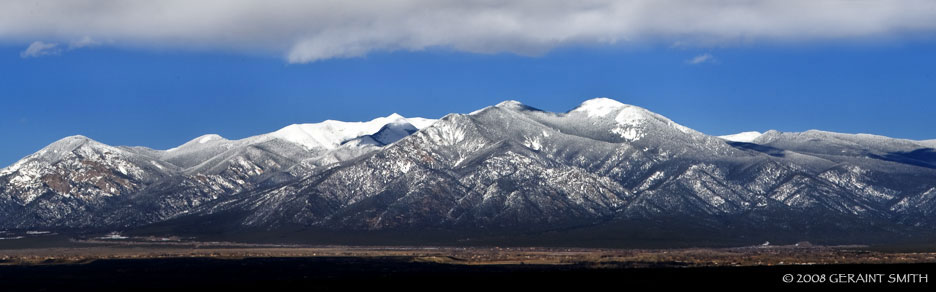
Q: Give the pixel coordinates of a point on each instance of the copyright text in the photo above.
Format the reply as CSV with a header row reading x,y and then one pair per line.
x,y
856,278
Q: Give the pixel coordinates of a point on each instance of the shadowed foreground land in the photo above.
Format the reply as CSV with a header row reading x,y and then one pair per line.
x,y
136,266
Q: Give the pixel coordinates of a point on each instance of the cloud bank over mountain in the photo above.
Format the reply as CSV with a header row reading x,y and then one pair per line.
x,y
307,31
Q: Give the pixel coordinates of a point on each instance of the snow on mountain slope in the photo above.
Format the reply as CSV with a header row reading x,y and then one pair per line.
x,y
928,143
201,140
330,134
195,151
76,169
393,132
503,165
514,165
856,148
77,173
421,123
510,165
464,169
212,153
308,145
854,141
610,121
746,137
629,118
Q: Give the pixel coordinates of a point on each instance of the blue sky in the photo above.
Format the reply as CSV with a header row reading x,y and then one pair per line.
x,y
129,91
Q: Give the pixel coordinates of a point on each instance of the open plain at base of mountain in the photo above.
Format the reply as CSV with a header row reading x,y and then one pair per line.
x,y
150,264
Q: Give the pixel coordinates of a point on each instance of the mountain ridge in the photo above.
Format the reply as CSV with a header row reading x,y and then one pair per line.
x,y
602,165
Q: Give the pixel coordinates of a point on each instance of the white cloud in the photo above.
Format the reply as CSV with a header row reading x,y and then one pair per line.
x,y
304,31
84,42
703,58
39,49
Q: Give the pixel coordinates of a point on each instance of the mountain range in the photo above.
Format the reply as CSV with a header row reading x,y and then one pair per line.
x,y
603,173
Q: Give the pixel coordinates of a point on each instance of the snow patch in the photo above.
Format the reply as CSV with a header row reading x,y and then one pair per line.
x,y
330,134
208,138
630,134
510,104
533,143
599,107
928,143
113,236
203,139
629,118
421,123
479,111
746,137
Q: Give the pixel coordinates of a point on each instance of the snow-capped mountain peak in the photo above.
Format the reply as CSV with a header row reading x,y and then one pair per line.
x,y
509,104
600,107
632,122
208,138
74,140
199,141
330,134
77,143
746,137
395,117
53,152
